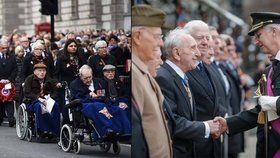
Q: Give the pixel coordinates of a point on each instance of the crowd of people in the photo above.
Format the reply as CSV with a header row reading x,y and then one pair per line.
x,y
40,68
190,102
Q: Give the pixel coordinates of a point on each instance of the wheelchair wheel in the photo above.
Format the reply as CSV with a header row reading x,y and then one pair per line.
x,y
29,135
116,148
21,122
66,138
105,147
77,146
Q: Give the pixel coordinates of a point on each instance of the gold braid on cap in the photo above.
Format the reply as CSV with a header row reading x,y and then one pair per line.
x,y
260,24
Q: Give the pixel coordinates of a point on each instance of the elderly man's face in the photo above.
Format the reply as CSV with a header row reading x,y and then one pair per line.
x,y
263,39
189,54
154,64
38,51
24,42
4,48
151,40
40,73
202,38
109,74
86,77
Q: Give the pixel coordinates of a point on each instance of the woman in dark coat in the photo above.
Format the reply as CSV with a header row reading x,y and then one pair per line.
x,y
38,56
19,52
67,69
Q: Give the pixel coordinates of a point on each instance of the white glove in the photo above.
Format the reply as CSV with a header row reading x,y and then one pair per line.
x,y
268,103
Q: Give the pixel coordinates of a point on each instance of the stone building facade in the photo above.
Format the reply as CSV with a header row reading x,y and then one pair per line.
x,y
73,15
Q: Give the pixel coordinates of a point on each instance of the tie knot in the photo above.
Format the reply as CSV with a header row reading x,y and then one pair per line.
x,y
201,67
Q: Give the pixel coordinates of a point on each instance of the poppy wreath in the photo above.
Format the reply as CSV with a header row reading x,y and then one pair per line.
x,y
7,95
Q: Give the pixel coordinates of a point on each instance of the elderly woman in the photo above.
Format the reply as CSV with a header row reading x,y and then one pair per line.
x,y
38,56
97,62
40,90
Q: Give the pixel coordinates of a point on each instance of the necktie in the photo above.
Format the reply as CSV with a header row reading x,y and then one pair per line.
x,y
186,85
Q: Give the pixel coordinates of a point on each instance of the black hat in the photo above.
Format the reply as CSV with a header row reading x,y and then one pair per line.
x,y
261,19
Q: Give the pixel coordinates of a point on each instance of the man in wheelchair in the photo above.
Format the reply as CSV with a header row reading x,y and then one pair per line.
x,y
109,120
40,92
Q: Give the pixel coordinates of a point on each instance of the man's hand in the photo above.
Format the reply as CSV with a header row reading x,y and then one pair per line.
x,y
223,123
214,129
268,103
93,95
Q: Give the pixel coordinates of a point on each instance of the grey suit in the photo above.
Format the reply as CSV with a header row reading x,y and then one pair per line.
x,y
187,128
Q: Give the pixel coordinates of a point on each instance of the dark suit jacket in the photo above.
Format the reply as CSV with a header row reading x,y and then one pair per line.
x,y
209,104
236,142
8,68
80,91
187,128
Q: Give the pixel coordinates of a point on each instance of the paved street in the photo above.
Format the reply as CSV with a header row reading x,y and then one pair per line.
x,y
12,147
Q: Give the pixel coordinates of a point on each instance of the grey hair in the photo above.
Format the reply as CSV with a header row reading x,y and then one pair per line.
x,y
269,26
84,68
189,27
173,39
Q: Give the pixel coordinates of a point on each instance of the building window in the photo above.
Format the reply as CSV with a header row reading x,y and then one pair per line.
x,y
75,10
92,9
58,16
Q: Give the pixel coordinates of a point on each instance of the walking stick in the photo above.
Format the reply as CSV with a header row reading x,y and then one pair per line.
x,y
263,116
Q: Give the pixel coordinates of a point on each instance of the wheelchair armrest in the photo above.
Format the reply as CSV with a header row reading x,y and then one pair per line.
x,y
73,103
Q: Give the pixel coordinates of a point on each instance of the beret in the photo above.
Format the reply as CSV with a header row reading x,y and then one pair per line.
x,y
145,15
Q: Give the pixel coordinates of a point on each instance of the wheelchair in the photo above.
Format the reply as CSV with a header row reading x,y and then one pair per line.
x,y
25,124
80,130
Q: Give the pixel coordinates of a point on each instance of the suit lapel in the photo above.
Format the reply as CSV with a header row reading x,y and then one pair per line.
x,y
276,72
179,84
195,74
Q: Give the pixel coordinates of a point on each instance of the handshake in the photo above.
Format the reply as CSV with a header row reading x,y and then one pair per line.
x,y
217,126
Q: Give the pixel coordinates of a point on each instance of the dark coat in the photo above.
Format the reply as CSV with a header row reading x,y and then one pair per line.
x,y
97,63
79,90
19,79
30,60
236,142
187,128
32,87
209,104
8,68
66,69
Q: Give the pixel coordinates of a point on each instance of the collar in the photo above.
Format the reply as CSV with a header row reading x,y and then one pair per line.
x,y
176,69
277,57
140,64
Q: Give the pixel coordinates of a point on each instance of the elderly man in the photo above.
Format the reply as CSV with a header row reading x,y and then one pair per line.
x,y
108,120
8,71
146,94
182,53
203,83
38,88
266,30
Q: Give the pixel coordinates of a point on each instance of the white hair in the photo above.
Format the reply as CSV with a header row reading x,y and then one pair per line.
x,y
85,68
269,26
173,39
17,49
100,43
36,44
190,26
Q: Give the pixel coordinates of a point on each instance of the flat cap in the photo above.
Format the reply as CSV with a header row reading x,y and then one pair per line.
x,y
109,67
260,19
39,65
145,15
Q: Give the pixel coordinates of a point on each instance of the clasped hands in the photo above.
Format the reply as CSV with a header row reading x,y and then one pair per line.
x,y
217,127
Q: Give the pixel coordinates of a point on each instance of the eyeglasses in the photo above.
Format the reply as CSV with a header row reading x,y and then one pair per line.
x,y
38,49
155,35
